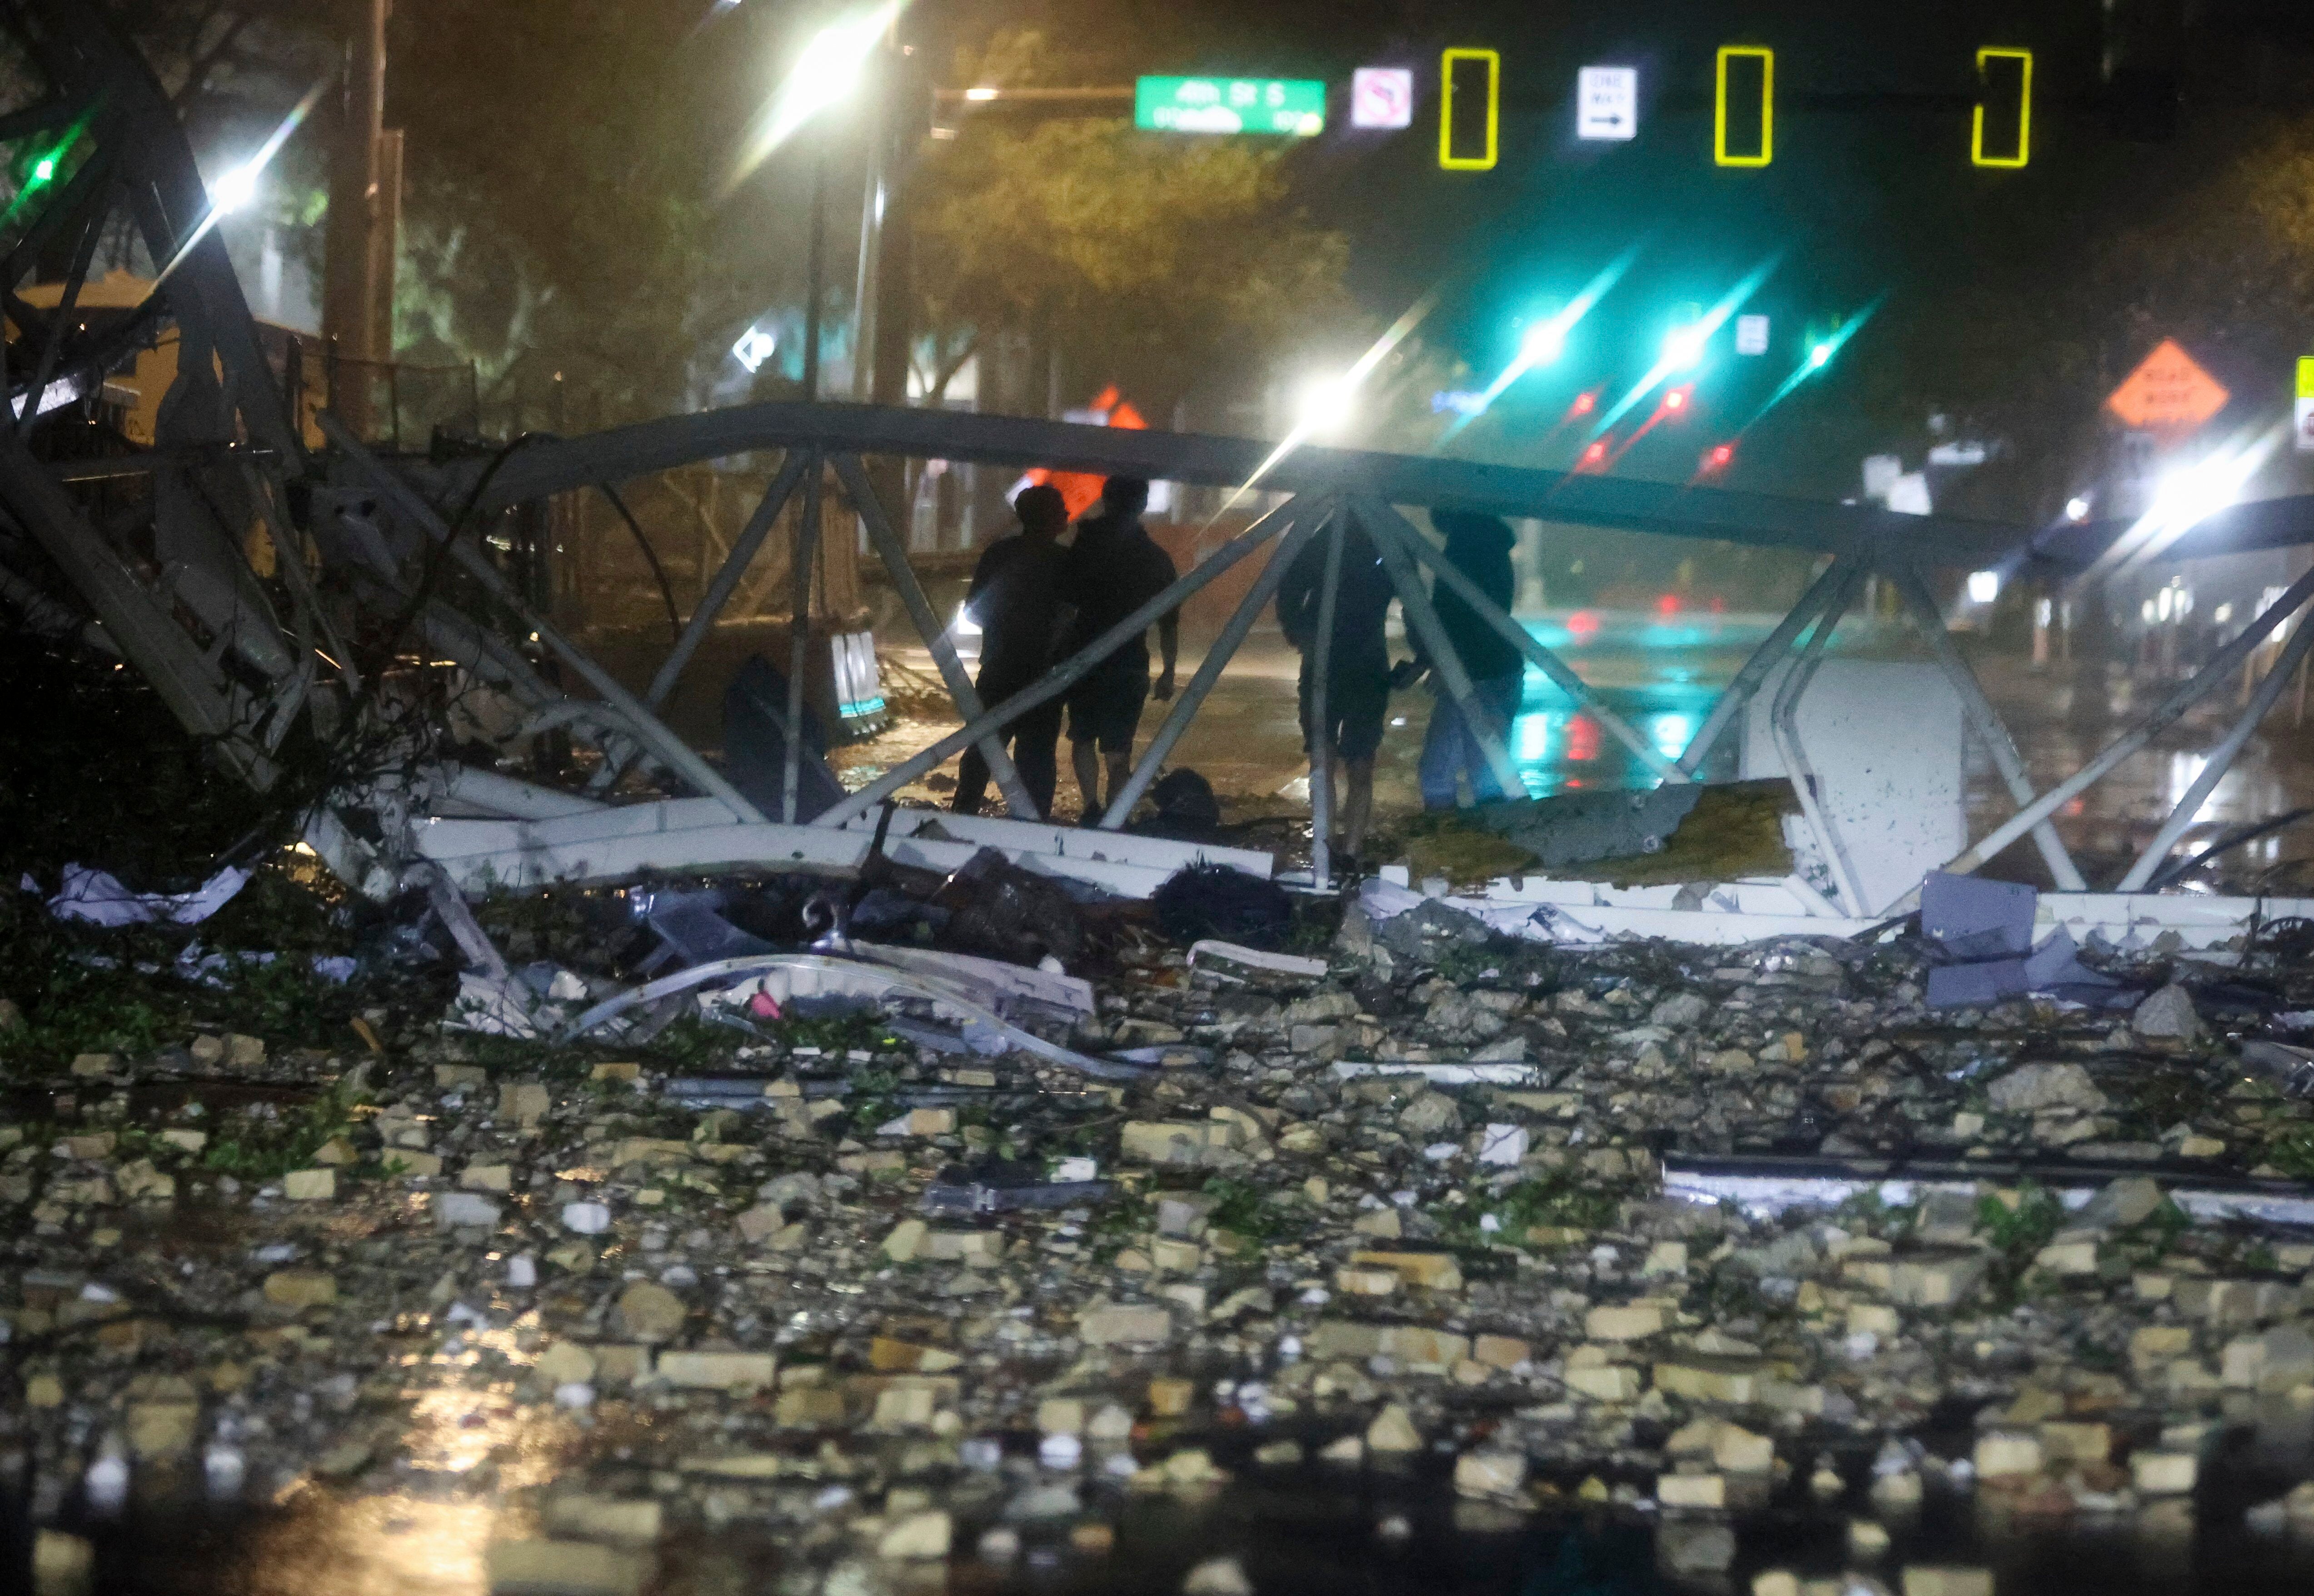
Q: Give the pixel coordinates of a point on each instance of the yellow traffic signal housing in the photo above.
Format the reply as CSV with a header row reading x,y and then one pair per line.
x,y
2004,101
1744,79
1465,142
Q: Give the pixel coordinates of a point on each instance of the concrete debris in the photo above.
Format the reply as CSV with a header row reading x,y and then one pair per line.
x,y
2168,1016
845,1275
861,1193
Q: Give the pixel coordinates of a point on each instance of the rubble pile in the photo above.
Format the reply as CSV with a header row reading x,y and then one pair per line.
x,y
849,1285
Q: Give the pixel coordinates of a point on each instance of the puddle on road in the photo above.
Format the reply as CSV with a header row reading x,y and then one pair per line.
x,y
1294,1536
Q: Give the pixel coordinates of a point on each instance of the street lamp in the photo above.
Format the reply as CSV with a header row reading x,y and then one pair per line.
x,y
234,190
1325,406
827,73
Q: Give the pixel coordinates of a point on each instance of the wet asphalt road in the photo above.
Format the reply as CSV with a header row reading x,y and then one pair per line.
x,y
1662,672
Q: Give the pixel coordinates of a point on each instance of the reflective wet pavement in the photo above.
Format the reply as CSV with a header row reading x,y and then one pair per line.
x,y
457,1455
1662,672
1309,1530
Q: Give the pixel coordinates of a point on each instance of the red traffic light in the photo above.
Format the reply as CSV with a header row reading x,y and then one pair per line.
x,y
1584,403
1594,452
1675,401
1719,456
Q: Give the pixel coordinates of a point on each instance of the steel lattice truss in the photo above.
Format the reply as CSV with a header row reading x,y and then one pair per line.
x,y
242,659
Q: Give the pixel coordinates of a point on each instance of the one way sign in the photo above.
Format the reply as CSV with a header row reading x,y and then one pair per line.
x,y
1607,102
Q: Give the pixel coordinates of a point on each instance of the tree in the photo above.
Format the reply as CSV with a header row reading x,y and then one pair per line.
x,y
1160,263
558,224
2019,329
226,59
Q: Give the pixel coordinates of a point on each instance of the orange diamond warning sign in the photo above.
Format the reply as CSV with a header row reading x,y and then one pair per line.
x,y
2168,392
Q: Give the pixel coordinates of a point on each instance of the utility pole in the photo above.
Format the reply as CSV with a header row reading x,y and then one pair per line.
x,y
364,220
903,121
815,271
875,118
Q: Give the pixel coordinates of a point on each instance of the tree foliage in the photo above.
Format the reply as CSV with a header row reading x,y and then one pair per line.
x,y
1153,260
2020,325
559,213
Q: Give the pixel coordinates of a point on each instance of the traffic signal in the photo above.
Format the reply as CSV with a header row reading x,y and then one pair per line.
x,y
1469,109
2001,129
1743,106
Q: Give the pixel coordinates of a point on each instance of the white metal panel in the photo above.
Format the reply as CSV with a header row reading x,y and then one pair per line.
x,y
2135,920
1884,739
1069,842
495,794
480,854
697,834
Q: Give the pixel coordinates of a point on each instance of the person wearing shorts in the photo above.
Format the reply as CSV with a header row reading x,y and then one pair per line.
x,y
1013,598
1112,569
1357,667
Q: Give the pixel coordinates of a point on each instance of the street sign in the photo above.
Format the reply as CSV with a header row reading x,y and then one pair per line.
x,y
754,347
1751,335
1290,105
2168,394
1382,97
1607,102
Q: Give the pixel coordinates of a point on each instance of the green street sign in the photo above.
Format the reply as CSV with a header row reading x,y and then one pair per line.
x,y
1291,105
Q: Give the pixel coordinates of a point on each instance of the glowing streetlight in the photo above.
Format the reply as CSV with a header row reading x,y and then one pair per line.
x,y
825,73
1820,356
2198,492
1682,347
1325,406
233,191
1983,587
238,187
2077,508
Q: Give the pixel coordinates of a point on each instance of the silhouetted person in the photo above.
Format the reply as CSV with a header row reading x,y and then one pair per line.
x,y
1015,599
1112,569
1479,547
1358,666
